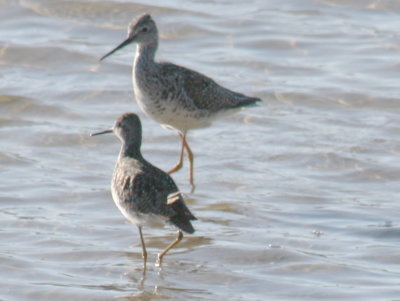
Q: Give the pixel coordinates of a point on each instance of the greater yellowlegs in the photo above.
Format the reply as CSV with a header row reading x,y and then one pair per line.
x,y
143,193
172,95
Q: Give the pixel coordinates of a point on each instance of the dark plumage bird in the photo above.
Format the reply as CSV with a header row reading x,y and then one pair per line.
x,y
142,192
175,96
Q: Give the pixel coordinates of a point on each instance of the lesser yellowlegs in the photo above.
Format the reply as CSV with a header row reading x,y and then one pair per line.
x,y
172,95
142,192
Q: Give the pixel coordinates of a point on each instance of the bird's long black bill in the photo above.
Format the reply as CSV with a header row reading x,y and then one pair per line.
x,y
122,45
102,132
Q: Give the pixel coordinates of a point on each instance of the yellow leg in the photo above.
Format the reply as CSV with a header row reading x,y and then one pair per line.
x,y
173,244
191,158
180,162
144,252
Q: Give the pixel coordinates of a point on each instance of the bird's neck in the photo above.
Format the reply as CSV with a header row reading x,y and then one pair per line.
x,y
145,54
131,149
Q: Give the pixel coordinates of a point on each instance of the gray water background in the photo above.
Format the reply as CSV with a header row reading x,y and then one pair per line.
x,y
297,198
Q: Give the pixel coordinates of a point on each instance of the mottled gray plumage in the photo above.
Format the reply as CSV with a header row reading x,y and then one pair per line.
x,y
143,190
144,193
175,96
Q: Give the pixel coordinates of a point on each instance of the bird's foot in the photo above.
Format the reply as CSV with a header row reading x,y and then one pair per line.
x,y
159,260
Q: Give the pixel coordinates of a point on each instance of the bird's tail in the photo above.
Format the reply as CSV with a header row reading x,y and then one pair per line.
x,y
182,223
245,102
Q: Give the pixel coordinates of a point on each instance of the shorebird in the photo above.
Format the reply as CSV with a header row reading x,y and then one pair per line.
x,y
143,193
175,96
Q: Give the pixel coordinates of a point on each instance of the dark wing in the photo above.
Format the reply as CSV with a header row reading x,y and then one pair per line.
x,y
153,191
204,92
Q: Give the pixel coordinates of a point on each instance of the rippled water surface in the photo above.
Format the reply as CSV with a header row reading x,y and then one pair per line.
x,y
297,198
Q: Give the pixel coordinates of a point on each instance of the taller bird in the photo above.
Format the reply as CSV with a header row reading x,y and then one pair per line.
x,y
175,96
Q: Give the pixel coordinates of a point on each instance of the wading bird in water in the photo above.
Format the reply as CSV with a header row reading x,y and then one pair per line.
x,y
175,96
143,193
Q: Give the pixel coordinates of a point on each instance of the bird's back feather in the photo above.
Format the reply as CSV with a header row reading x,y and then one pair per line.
x,y
144,189
202,91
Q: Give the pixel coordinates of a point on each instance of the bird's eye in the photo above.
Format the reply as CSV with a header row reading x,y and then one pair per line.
x,y
145,29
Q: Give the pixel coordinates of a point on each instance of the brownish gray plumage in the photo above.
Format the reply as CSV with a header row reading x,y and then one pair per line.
x,y
144,193
175,96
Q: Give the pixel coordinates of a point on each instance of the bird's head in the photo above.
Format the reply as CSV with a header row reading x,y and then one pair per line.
x,y
142,31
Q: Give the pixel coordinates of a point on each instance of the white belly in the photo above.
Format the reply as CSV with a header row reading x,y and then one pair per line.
x,y
169,114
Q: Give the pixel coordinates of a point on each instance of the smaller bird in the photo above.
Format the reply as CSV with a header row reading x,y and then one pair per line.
x,y
143,193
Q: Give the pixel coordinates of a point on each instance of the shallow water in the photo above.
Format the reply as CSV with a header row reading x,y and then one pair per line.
x,y
297,198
